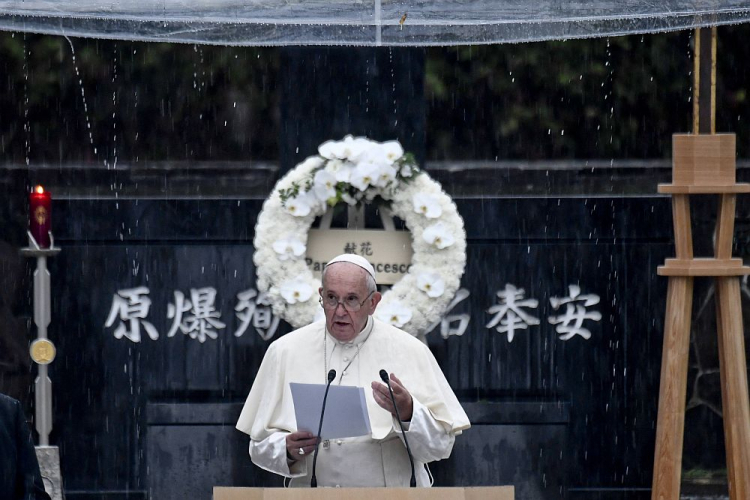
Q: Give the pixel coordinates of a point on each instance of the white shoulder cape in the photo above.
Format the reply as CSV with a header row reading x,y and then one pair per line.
x,y
298,357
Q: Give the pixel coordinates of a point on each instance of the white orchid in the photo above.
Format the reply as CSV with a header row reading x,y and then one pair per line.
x,y
363,170
394,313
431,284
358,148
299,206
296,290
348,199
332,150
392,150
345,173
350,148
386,175
365,175
324,185
386,153
289,247
341,170
427,205
438,235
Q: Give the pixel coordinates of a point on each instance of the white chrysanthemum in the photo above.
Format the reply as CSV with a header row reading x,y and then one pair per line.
x,y
406,171
431,284
324,185
386,175
299,206
427,205
365,175
289,248
438,235
311,163
394,313
296,290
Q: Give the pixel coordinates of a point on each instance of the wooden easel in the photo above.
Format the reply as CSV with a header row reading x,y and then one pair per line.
x,y
703,163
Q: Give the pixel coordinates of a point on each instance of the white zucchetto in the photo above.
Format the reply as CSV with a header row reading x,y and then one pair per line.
x,y
354,259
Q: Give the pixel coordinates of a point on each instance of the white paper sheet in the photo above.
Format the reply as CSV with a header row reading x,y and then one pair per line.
x,y
346,411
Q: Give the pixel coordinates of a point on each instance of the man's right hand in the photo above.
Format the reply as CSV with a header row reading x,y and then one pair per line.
x,y
300,440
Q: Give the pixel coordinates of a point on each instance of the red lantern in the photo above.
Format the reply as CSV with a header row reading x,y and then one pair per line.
x,y
40,216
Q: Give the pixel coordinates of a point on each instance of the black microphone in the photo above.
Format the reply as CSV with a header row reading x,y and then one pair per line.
x,y
387,380
313,479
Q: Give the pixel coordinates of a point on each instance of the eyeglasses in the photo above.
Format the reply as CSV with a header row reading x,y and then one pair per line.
x,y
351,304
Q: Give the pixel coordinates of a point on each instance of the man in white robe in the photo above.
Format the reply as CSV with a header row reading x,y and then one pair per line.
x,y
357,346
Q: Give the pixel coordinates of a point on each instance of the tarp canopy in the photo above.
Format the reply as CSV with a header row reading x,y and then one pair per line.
x,y
363,22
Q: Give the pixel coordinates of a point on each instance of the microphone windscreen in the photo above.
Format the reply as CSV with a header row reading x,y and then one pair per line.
x,y
384,376
331,375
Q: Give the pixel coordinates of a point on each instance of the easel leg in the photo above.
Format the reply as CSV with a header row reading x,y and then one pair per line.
x,y
734,395
674,364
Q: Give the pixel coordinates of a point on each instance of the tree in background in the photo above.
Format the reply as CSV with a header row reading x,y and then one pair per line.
x,y
619,97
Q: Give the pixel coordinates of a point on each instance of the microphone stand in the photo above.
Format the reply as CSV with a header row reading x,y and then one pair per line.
x,y
313,479
387,380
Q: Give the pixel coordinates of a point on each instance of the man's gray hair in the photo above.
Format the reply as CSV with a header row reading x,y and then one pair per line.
x,y
372,287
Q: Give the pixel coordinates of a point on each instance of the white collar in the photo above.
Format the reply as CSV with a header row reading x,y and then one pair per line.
x,y
361,336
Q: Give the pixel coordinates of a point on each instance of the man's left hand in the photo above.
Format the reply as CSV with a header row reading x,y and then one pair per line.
x,y
400,394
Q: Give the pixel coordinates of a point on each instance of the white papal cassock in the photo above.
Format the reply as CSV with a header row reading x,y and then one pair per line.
x,y
305,356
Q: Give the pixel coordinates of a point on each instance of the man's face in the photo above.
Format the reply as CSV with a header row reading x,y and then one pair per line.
x,y
346,282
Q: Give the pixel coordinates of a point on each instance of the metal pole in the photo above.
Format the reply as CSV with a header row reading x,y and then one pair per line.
x,y
42,385
42,350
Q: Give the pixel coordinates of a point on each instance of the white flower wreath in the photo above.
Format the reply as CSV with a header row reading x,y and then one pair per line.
x,y
352,171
